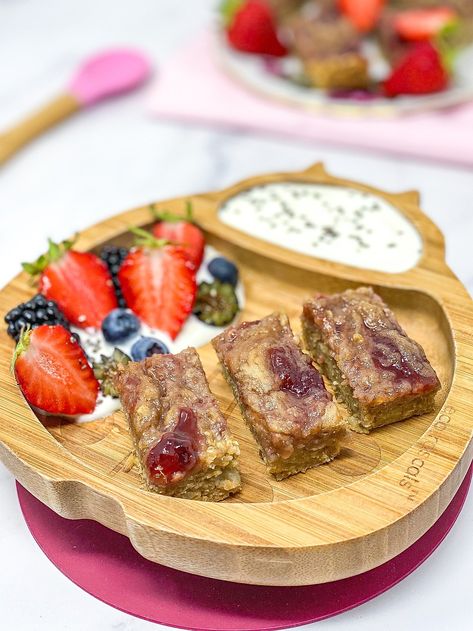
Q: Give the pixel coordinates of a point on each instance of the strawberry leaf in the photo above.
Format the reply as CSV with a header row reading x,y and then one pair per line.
x,y
169,217
145,239
21,346
55,252
444,42
228,8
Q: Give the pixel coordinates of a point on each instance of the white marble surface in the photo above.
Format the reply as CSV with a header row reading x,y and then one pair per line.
x,y
115,157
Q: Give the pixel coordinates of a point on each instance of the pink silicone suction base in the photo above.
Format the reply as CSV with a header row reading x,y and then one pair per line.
x,y
105,564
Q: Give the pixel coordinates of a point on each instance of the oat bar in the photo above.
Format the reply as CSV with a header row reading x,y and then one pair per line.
x,y
181,438
380,373
281,395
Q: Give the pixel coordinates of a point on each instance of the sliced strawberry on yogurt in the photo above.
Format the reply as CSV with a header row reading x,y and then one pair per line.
x,y
158,283
53,372
181,230
79,282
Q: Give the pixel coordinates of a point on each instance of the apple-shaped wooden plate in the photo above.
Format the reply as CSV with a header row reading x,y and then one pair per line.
x,y
384,491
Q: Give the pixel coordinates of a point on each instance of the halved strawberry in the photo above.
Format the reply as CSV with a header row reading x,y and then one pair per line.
x,y
79,282
251,27
53,373
417,25
421,71
182,231
158,283
363,14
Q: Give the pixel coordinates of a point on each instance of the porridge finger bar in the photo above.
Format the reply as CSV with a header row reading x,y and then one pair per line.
x,y
281,395
380,373
181,438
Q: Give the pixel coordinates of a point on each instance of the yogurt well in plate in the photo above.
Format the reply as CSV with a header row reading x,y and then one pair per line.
x,y
336,223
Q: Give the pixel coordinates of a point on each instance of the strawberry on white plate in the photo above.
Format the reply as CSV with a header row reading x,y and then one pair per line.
x,y
422,24
251,27
421,71
363,14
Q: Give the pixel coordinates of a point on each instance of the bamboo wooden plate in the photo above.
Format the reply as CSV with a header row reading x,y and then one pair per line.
x,y
335,521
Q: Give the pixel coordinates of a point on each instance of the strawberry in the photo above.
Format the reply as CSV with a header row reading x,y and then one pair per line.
x,y
158,282
53,373
182,231
421,71
363,14
417,25
79,282
251,27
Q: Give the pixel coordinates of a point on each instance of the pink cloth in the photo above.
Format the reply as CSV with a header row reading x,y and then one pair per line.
x,y
192,87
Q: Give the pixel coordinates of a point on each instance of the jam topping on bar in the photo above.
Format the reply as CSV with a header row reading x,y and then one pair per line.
x,y
376,355
387,356
282,396
386,351
294,374
180,435
176,451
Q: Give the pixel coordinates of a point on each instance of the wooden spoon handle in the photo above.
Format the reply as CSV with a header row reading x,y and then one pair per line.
x,y
36,123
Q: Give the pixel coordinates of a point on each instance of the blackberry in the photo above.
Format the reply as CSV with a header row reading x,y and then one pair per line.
x,y
114,256
39,310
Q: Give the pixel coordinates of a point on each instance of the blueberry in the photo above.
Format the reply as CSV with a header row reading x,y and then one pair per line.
x,y
120,325
223,270
147,346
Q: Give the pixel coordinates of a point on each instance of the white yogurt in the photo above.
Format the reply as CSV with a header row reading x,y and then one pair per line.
x,y
329,222
193,333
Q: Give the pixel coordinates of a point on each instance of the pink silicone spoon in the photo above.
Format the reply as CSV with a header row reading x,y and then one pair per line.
x,y
103,76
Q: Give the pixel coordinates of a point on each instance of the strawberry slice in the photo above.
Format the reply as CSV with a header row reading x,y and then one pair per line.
x,y
417,25
251,27
53,373
363,14
79,282
158,283
182,231
421,71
